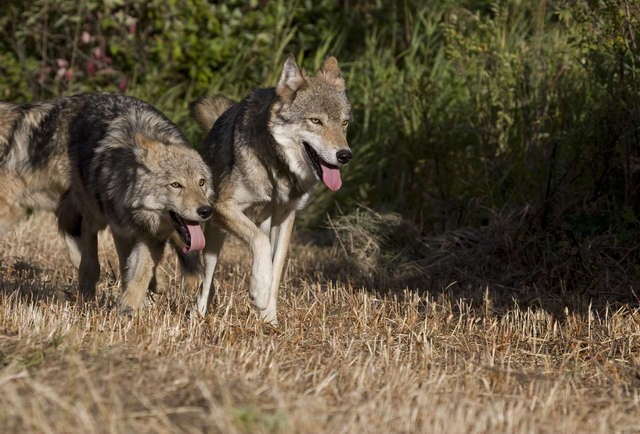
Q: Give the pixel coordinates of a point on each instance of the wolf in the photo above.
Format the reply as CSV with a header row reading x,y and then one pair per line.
x,y
33,158
101,160
266,153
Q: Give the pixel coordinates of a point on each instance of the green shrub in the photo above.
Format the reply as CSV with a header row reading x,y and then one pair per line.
x,y
461,107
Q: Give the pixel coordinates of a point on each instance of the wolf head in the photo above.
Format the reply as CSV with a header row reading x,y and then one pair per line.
x,y
309,120
178,186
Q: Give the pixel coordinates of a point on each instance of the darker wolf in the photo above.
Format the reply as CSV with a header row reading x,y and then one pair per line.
x,y
105,160
266,154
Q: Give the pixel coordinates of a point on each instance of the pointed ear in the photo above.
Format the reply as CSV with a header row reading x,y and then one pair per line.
x,y
291,80
145,143
331,73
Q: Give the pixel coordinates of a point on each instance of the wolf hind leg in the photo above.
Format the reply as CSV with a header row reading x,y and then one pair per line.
x,y
89,266
70,224
140,269
10,213
214,242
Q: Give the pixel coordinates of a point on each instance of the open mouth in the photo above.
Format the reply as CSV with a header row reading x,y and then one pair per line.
x,y
328,173
190,233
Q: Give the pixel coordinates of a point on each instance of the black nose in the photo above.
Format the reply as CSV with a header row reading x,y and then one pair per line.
x,y
343,156
205,211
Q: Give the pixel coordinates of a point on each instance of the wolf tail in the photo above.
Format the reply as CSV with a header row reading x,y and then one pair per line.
x,y
69,218
208,109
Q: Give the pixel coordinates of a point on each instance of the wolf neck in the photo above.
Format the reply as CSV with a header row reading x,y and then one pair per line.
x,y
257,123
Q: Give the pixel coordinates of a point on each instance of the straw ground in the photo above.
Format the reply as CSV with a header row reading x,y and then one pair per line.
x,y
344,359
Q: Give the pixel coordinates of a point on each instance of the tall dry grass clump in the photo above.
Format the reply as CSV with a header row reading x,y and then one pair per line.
x,y
510,256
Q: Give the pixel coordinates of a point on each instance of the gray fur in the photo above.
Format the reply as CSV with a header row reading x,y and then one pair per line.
x,y
104,160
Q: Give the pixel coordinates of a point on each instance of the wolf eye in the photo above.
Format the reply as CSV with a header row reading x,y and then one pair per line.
x,y
345,123
201,182
176,185
315,121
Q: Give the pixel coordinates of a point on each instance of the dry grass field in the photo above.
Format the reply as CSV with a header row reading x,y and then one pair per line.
x,y
345,359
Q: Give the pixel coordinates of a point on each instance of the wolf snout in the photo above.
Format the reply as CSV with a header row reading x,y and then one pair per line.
x,y
205,212
343,156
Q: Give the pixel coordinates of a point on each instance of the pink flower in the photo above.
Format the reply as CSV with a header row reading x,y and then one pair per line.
x,y
85,38
91,67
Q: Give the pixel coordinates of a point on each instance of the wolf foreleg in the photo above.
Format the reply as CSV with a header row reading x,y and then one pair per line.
x,y
234,220
280,239
141,266
89,270
214,241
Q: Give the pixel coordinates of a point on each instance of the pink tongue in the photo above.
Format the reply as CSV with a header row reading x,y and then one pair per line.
x,y
197,239
331,177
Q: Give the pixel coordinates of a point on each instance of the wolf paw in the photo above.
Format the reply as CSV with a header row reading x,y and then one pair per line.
x,y
259,293
192,315
200,309
269,316
125,311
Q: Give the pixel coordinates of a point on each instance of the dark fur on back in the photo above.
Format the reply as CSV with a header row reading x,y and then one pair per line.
x,y
245,125
36,129
42,145
251,116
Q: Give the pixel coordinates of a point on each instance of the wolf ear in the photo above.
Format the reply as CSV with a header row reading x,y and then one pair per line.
x,y
331,73
291,80
145,143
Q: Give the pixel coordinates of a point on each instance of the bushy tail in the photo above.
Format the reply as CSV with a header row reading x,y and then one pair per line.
x,y
69,218
208,109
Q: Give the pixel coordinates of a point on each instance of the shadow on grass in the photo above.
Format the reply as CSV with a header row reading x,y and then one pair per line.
x,y
29,282
509,262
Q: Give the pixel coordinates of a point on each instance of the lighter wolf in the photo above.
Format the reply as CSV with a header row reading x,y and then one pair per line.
x,y
266,153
